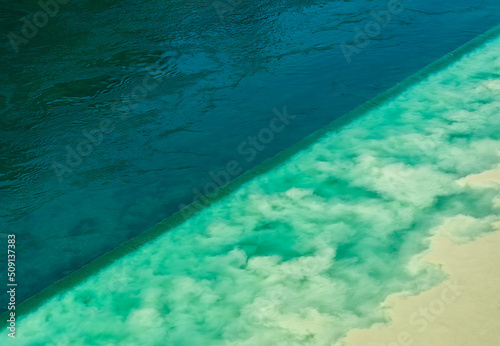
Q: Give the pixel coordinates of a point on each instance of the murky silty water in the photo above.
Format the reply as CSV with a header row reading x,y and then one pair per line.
x,y
114,111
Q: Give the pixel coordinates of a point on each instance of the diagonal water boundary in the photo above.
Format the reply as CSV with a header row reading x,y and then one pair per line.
x,y
176,219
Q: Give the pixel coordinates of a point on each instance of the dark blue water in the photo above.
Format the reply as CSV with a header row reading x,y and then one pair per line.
x,y
115,113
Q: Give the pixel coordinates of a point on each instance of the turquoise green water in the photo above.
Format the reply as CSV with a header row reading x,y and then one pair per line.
x,y
71,190
307,251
